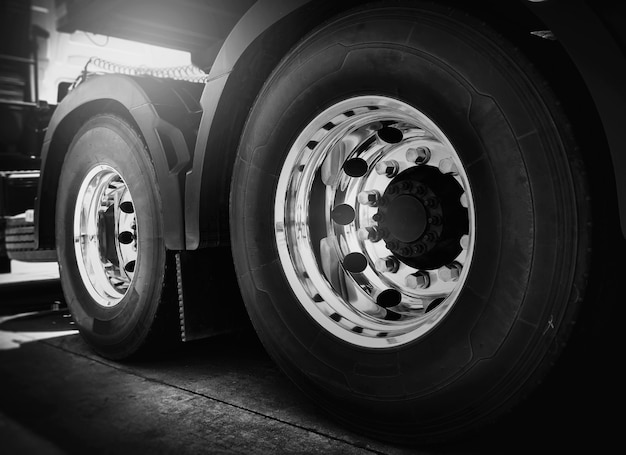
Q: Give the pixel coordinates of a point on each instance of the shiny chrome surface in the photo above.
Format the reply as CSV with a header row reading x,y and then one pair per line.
x,y
330,245
105,235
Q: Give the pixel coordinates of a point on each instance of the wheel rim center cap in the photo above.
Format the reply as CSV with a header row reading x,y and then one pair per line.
x,y
406,218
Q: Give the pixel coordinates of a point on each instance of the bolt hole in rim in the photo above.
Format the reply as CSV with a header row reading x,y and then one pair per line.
x,y
105,235
350,166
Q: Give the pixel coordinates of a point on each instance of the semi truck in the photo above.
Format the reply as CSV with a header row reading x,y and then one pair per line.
x,y
418,206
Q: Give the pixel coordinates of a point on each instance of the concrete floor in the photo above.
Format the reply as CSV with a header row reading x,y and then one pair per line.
x,y
222,395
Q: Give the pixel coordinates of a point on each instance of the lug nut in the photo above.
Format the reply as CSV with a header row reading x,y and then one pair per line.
x,y
450,272
417,280
435,220
464,241
447,166
388,168
420,189
370,197
418,155
388,264
418,248
431,237
370,233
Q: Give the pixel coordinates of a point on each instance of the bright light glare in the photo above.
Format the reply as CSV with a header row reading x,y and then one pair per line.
x,y
66,56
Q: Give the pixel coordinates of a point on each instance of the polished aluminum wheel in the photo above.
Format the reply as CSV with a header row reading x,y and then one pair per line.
x,y
374,221
105,235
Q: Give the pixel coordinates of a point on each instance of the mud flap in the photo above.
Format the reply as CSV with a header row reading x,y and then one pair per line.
x,y
209,301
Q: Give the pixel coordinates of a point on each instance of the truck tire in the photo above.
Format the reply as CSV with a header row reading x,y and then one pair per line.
x,y
409,220
109,237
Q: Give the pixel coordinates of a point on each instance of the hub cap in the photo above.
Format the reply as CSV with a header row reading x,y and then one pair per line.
x,y
374,221
105,235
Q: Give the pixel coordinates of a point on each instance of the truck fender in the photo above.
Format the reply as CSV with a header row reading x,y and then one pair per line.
x,y
253,48
603,68
269,29
166,113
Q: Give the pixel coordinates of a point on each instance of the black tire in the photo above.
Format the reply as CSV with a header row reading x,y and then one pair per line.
x,y
515,308
126,318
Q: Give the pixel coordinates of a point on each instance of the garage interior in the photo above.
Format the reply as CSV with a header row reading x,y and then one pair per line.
x,y
225,394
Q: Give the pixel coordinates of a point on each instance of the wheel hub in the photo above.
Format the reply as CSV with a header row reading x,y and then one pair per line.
x,y
419,217
105,235
374,221
406,218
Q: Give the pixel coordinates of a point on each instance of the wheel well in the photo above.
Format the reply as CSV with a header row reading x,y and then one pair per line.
x,y
51,167
514,21
244,84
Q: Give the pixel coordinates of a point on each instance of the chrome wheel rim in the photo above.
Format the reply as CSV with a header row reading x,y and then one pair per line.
x,y
374,221
105,235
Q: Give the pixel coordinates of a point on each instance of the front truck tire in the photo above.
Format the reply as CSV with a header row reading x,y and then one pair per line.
x,y
109,237
409,222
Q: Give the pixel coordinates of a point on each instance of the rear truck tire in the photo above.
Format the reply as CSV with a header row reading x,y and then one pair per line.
x,y
109,237
409,221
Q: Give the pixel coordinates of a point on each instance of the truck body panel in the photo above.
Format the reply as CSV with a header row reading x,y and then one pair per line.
x,y
597,50
167,120
270,28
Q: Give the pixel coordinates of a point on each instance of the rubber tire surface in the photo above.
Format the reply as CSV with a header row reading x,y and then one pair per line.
x,y
134,325
527,277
